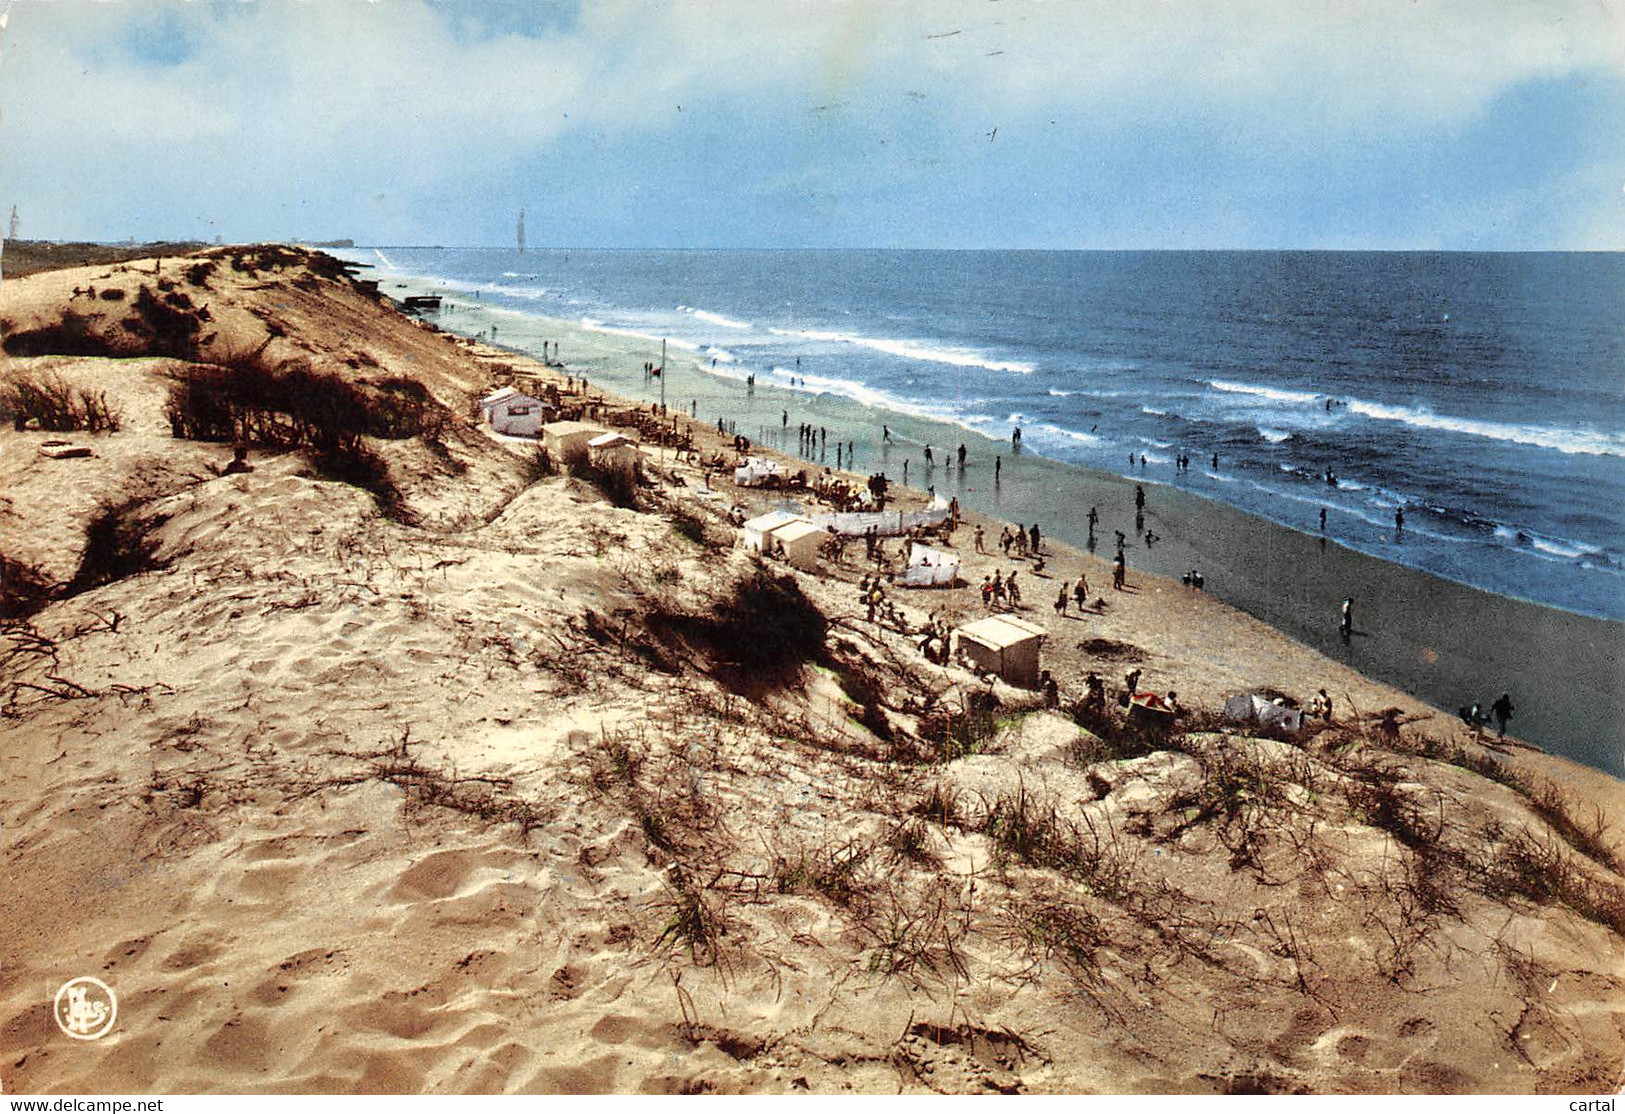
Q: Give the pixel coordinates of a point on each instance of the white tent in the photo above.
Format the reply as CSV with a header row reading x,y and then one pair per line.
x,y
930,568
757,529
755,472
1004,645
513,412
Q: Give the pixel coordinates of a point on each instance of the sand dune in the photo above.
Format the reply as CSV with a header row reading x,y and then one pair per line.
x,y
482,798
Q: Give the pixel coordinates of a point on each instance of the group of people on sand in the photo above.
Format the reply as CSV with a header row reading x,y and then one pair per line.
x,y
1000,592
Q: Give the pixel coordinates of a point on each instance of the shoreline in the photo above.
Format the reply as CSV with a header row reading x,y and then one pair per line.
x,y
1443,642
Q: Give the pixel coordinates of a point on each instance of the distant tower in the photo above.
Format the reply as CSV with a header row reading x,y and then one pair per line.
x,y
521,231
12,235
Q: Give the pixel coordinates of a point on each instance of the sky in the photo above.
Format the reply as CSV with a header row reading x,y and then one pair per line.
x,y
1363,124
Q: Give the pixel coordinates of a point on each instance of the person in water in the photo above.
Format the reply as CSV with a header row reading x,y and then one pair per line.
x,y
1015,438
1399,520
1323,520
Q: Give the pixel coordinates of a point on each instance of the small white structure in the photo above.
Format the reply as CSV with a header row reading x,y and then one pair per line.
x,y
930,568
569,440
1005,646
613,448
1250,707
514,412
800,539
755,472
758,529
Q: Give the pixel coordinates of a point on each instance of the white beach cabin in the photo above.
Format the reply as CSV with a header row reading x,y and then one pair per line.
x,y
1005,646
801,540
613,449
758,529
514,412
567,441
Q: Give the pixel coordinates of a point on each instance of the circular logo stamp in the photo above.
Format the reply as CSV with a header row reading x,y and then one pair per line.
x,y
86,1008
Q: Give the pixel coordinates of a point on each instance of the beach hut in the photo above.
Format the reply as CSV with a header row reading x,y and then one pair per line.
x,y
758,529
1005,646
930,568
514,412
568,440
800,539
613,449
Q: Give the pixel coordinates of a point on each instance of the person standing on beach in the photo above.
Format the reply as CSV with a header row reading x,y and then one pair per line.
x,y
1061,600
1139,498
784,419
1015,439
1094,517
885,434
998,463
979,548
930,461
1502,711
1080,591
1345,619
1119,570
1034,532
962,456
1121,538
1013,592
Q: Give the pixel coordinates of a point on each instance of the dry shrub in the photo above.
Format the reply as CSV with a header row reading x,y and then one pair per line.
x,y
54,406
118,543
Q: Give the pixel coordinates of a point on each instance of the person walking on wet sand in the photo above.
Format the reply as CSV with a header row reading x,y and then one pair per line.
x,y
1323,520
998,463
1399,520
1121,538
1094,519
962,456
1502,711
1345,619
784,419
1139,500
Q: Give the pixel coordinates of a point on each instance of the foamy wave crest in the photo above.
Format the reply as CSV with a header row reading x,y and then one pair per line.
x,y
1275,436
1153,411
721,355
960,357
517,274
1579,441
599,327
1056,392
716,318
383,259
1070,434
1274,394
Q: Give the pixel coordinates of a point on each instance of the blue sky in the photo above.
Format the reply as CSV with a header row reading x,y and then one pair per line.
x,y
999,123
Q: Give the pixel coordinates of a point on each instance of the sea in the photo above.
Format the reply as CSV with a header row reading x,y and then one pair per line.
x,y
1481,395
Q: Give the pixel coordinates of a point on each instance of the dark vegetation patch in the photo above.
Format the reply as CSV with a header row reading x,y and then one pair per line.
x,y
1108,649
756,635
118,544
248,400
28,257
54,406
24,589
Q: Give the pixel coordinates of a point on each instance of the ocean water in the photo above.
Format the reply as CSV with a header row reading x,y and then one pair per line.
x,y
1482,394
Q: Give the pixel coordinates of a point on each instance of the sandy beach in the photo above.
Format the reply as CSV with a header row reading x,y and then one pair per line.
x,y
468,779
1448,644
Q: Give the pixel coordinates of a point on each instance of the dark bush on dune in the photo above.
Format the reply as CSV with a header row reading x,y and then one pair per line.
x,y
249,400
57,407
118,543
24,589
68,336
165,329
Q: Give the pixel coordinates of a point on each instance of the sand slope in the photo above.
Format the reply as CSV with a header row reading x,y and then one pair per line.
x,y
491,804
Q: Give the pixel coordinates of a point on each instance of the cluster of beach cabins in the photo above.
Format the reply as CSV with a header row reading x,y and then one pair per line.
x,y
997,645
